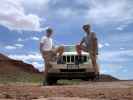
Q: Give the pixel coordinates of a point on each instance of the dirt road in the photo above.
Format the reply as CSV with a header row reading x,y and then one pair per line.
x,y
119,90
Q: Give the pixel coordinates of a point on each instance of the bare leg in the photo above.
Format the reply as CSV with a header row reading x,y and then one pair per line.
x,y
45,74
94,62
80,48
47,65
60,50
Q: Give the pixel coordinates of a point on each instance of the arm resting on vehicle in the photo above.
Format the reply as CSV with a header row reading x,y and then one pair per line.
x,y
82,41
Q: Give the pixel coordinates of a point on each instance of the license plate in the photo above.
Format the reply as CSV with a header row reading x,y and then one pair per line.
x,y
72,66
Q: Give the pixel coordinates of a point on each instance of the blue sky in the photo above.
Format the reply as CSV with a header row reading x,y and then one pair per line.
x,y
22,23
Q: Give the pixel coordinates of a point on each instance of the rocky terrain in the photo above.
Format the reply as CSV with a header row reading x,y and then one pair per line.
x,y
5,61
17,71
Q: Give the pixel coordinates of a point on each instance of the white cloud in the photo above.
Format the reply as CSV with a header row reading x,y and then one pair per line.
x,y
20,40
120,37
35,38
27,57
66,12
99,12
9,47
13,16
37,4
114,11
116,56
100,45
14,46
24,15
107,44
122,27
23,39
122,48
19,45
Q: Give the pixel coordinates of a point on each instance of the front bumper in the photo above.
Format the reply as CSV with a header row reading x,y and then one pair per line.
x,y
72,75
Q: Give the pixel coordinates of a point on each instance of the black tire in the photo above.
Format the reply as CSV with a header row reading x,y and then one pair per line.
x,y
92,78
97,77
85,79
51,81
45,82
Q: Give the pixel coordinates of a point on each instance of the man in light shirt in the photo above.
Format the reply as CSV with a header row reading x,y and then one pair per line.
x,y
49,51
89,43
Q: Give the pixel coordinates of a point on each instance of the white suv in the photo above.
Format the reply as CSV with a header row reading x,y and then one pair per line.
x,y
71,66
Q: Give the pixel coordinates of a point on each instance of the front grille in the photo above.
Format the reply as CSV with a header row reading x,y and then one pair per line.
x,y
72,59
72,70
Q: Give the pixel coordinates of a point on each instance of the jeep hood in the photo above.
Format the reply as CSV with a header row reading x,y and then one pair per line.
x,y
75,53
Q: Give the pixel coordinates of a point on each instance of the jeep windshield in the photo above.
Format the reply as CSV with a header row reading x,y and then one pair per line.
x,y
69,48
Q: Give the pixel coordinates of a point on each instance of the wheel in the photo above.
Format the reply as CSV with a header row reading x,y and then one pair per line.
x,y
45,82
50,81
97,77
92,78
85,79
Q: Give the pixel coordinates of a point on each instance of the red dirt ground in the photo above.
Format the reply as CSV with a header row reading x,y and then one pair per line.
x,y
120,90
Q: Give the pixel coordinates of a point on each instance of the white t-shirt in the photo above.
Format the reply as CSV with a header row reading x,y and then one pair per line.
x,y
47,43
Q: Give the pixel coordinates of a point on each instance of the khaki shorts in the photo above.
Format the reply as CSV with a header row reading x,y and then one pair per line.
x,y
49,55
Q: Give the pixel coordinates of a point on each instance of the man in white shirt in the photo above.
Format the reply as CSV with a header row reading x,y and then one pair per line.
x,y
48,50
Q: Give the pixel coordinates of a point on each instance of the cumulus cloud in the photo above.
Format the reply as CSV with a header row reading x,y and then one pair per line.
x,y
36,5
13,16
122,27
107,44
19,45
100,45
20,40
122,48
27,57
35,38
116,56
119,37
114,11
24,15
13,47
98,12
9,47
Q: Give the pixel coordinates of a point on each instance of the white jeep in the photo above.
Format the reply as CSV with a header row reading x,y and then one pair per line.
x,y
71,66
